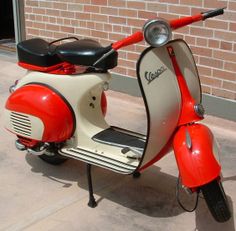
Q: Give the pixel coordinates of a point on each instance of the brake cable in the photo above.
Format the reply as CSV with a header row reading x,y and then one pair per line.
x,y
178,199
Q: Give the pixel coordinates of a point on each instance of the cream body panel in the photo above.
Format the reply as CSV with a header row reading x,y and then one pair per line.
x,y
78,90
161,90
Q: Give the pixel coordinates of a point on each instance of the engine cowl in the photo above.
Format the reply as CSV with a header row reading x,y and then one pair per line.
x,y
37,112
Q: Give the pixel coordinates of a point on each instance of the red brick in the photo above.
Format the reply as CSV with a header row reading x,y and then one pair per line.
x,y
223,74
28,24
229,86
58,35
126,30
177,36
32,31
67,14
230,66
117,28
132,73
229,56
52,12
99,18
83,16
127,63
136,22
213,43
204,70
67,29
53,27
120,70
128,13
232,5
109,11
206,89
133,56
170,1
39,11
31,3
214,4
117,20
98,26
211,62
147,14
90,25
66,22
92,9
180,10
99,2
99,34
60,5
206,52
228,36
156,7
136,5
38,25
75,7
211,81
216,24
232,27
223,93
41,18
191,2
116,36
201,32
83,31
28,9
190,39
108,27
117,3
167,16
226,46
32,17
45,33
202,42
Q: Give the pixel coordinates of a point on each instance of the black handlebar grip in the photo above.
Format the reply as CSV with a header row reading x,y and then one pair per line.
x,y
213,13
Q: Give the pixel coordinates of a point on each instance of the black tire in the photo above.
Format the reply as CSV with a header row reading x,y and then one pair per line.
x,y
216,200
52,156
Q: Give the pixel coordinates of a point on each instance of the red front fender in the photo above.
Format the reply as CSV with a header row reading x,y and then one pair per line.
x,y
194,152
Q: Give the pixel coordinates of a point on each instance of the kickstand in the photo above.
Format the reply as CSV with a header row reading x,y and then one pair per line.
x,y
92,202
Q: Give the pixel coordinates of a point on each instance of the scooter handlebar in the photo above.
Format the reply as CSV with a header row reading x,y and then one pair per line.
x,y
181,22
132,39
174,24
213,13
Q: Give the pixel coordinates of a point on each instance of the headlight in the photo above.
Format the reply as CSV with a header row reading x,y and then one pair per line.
x,y
157,32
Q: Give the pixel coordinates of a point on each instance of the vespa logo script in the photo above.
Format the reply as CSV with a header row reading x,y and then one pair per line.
x,y
150,76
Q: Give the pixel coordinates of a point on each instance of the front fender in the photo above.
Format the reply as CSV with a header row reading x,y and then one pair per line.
x,y
195,153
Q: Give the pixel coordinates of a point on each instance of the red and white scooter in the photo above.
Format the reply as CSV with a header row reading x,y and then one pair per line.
x,y
57,110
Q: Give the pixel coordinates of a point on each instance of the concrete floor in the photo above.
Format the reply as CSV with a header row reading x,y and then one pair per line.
x,y
37,196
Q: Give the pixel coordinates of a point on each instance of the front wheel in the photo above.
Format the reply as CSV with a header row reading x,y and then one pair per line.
x,y
216,200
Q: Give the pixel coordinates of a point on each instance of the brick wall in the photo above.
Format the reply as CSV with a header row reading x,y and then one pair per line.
x,y
213,42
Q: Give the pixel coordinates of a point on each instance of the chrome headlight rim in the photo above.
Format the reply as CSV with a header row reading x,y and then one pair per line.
x,y
155,22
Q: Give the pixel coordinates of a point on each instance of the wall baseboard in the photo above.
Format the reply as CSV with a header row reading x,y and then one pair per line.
x,y
216,106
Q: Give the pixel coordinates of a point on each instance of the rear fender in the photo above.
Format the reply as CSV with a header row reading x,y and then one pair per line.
x,y
196,155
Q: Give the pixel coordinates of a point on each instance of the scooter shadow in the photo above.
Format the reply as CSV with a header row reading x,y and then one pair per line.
x,y
153,194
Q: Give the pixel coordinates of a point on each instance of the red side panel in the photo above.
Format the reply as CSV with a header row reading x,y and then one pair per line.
x,y
63,68
193,147
47,105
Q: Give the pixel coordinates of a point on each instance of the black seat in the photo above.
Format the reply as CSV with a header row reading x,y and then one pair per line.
x,y
86,52
36,52
83,52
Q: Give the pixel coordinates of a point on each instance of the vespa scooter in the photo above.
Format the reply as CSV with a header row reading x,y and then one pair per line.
x,y
57,110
